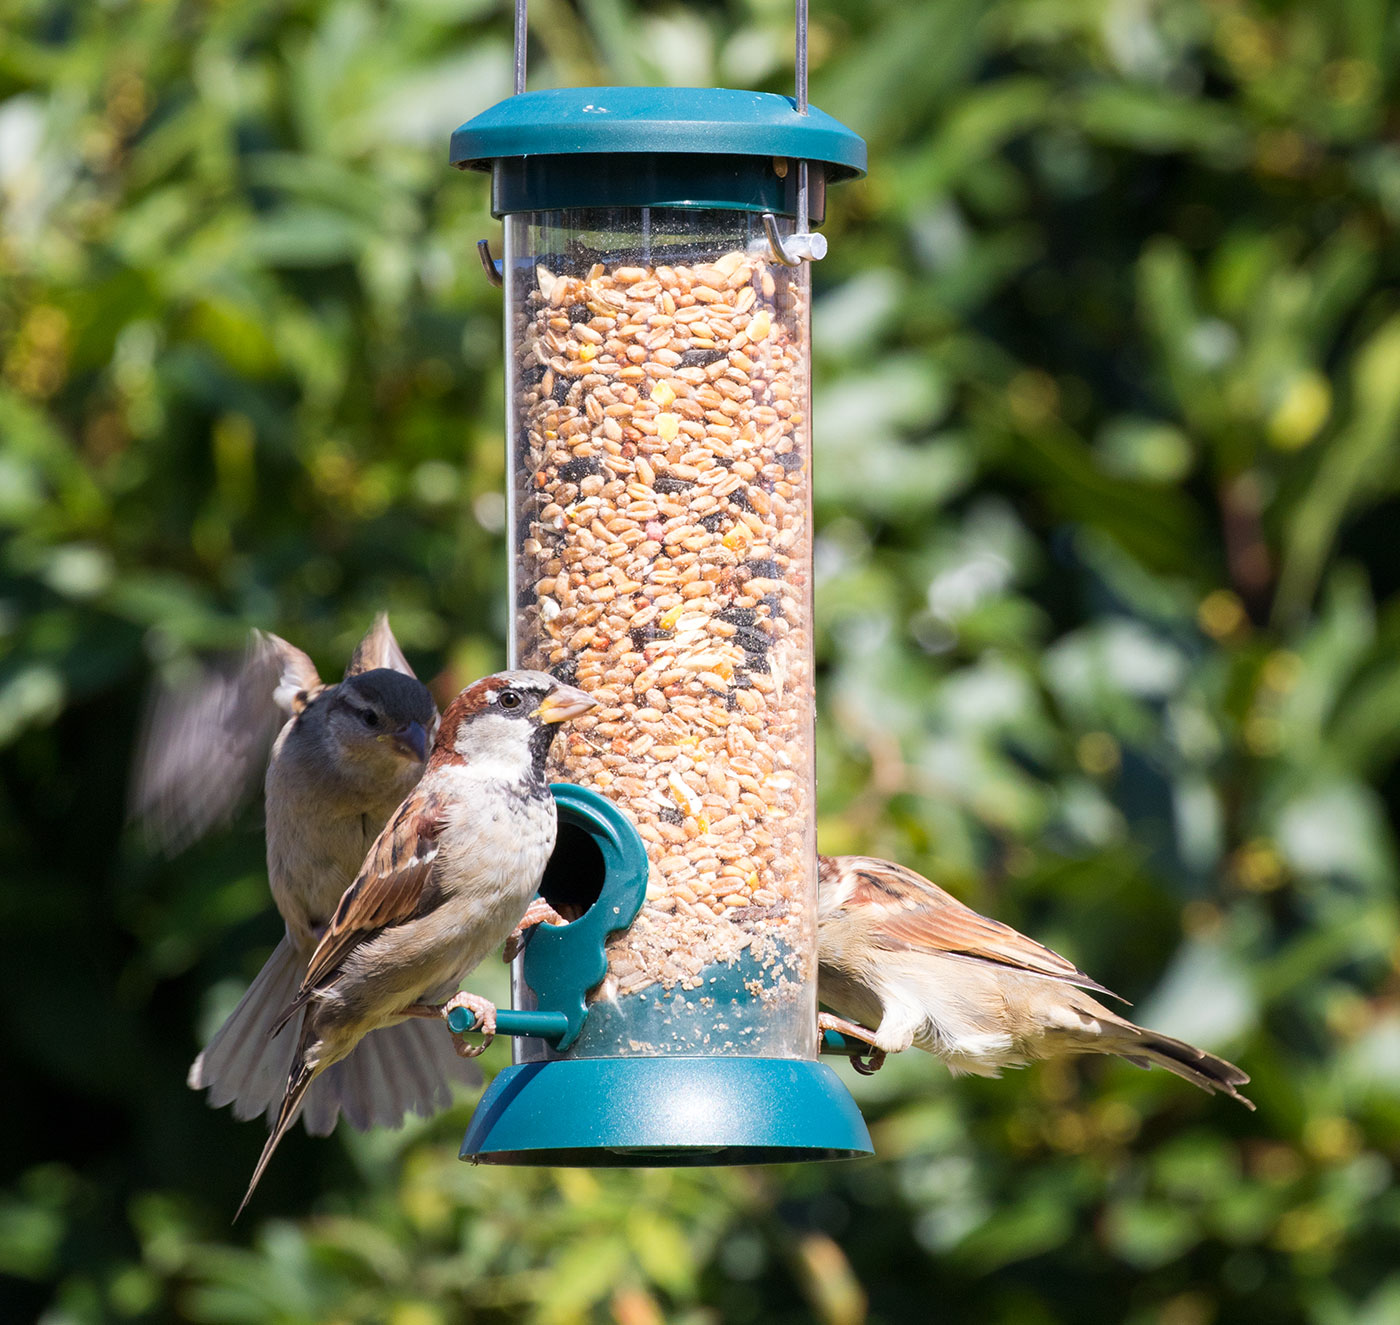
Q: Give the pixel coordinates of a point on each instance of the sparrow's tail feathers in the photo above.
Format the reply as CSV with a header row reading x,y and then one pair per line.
x,y
245,1064
297,1086
1147,1047
391,1073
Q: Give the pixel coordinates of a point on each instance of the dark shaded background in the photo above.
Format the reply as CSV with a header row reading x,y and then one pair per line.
x,y
1108,412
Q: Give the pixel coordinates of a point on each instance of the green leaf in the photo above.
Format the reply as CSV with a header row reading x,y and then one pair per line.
x,y
1351,467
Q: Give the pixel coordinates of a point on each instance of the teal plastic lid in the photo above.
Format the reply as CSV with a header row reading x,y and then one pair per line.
x,y
654,146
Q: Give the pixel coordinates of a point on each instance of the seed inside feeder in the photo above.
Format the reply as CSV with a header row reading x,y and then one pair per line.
x,y
662,527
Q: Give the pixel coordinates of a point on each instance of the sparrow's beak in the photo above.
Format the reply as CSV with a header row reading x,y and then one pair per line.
x,y
565,703
411,742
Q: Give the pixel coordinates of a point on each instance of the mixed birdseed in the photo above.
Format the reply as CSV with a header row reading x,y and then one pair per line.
x,y
662,529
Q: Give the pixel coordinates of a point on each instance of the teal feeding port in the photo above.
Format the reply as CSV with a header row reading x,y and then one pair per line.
x,y
656,264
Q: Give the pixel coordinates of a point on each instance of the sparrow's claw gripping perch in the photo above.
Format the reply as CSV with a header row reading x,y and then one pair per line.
x,y
866,1064
485,1013
826,1021
539,912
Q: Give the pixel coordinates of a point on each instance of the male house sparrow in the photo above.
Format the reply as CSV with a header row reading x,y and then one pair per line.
x,y
345,758
899,954
449,878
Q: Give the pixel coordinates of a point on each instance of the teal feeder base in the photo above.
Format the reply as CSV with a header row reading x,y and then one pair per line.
x,y
672,1112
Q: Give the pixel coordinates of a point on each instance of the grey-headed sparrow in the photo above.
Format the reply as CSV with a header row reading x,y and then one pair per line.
x,y
449,878
904,963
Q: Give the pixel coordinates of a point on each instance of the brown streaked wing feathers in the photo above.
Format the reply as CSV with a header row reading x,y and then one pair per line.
x,y
390,886
928,917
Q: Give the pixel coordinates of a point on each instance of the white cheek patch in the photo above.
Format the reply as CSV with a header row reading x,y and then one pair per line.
x,y
496,743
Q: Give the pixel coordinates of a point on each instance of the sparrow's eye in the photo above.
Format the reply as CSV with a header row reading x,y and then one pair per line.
x,y
509,700
369,717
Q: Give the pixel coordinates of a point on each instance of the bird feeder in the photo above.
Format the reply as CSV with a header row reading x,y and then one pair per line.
x,y
658,355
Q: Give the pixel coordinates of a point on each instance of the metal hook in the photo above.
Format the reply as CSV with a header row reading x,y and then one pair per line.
x,y
803,246
488,263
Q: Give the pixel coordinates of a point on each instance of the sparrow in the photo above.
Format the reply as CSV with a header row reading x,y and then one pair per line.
x,y
449,879
901,956
345,757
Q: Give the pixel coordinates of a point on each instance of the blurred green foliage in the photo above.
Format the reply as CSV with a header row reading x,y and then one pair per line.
x,y
1108,421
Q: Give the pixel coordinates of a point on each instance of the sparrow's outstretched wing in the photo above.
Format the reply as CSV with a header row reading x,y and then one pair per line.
x,y
907,911
205,740
379,648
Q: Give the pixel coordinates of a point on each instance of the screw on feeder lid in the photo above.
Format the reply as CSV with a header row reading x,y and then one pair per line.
x,y
655,147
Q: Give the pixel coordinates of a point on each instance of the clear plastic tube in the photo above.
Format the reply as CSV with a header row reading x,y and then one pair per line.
x,y
660,518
